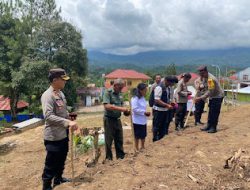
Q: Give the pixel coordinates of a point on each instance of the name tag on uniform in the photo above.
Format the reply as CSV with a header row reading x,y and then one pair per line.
x,y
59,103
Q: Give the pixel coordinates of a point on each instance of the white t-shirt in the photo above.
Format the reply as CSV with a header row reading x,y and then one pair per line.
x,y
157,95
139,107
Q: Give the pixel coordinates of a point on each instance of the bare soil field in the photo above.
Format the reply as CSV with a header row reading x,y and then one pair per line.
x,y
165,164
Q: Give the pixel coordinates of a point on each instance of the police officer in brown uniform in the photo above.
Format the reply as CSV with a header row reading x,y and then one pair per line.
x,y
199,106
215,94
57,125
182,94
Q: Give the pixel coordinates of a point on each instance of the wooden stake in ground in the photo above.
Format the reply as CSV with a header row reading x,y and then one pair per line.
x,y
234,160
131,121
189,113
96,150
193,178
72,157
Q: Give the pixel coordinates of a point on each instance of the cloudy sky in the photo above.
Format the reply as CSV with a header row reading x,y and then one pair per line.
x,y
131,26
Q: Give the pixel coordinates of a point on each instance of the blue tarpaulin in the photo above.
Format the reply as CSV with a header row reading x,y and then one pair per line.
x,y
21,117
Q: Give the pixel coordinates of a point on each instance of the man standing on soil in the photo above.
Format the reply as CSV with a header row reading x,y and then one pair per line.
x,y
151,97
174,80
113,102
199,106
161,108
215,94
57,125
182,94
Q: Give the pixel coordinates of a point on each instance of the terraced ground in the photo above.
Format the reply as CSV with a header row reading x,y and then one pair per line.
x,y
163,165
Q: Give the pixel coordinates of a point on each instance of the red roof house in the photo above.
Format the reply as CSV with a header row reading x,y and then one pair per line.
x,y
126,74
131,77
233,77
5,104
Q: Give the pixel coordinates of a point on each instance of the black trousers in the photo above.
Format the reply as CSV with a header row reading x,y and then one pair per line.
x,y
172,113
168,120
180,114
214,112
199,108
113,132
160,124
55,159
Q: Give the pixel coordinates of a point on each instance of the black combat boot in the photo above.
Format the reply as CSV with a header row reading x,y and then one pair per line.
x,y
196,119
206,128
182,125
198,123
212,130
47,185
177,127
58,181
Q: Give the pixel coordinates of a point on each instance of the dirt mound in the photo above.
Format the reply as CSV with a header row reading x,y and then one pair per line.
x,y
185,160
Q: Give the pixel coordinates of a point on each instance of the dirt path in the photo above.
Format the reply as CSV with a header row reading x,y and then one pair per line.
x,y
163,165
91,109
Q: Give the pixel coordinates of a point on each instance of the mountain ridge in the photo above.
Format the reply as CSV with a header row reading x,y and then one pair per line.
x,y
238,57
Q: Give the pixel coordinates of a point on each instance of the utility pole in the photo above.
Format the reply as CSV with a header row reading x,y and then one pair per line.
x,y
217,66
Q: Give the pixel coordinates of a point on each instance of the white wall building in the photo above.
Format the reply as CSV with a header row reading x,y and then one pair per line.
x,y
244,75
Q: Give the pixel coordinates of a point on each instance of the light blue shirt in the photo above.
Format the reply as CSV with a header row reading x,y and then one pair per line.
x,y
139,107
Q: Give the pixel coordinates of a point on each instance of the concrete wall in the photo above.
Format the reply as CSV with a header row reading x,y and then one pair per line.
x,y
241,74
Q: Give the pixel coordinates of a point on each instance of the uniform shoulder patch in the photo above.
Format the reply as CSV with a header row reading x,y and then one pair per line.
x,y
211,84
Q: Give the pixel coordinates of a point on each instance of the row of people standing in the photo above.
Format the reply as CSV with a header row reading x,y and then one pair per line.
x,y
58,121
164,103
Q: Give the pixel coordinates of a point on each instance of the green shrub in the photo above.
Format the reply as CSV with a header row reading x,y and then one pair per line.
x,y
147,95
3,123
36,109
125,96
24,112
1,114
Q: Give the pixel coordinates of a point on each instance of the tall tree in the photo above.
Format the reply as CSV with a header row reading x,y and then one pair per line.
x,y
61,44
13,48
171,69
34,39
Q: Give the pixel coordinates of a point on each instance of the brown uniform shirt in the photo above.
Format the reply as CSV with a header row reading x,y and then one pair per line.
x,y
201,87
55,112
214,89
181,92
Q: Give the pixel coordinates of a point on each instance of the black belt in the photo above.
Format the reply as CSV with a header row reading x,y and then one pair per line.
x,y
114,118
61,145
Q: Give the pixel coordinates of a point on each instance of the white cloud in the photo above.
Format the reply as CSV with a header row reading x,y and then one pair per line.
x,y
129,50
130,26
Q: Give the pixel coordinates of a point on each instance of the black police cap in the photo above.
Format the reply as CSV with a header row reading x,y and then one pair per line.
x,y
58,73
